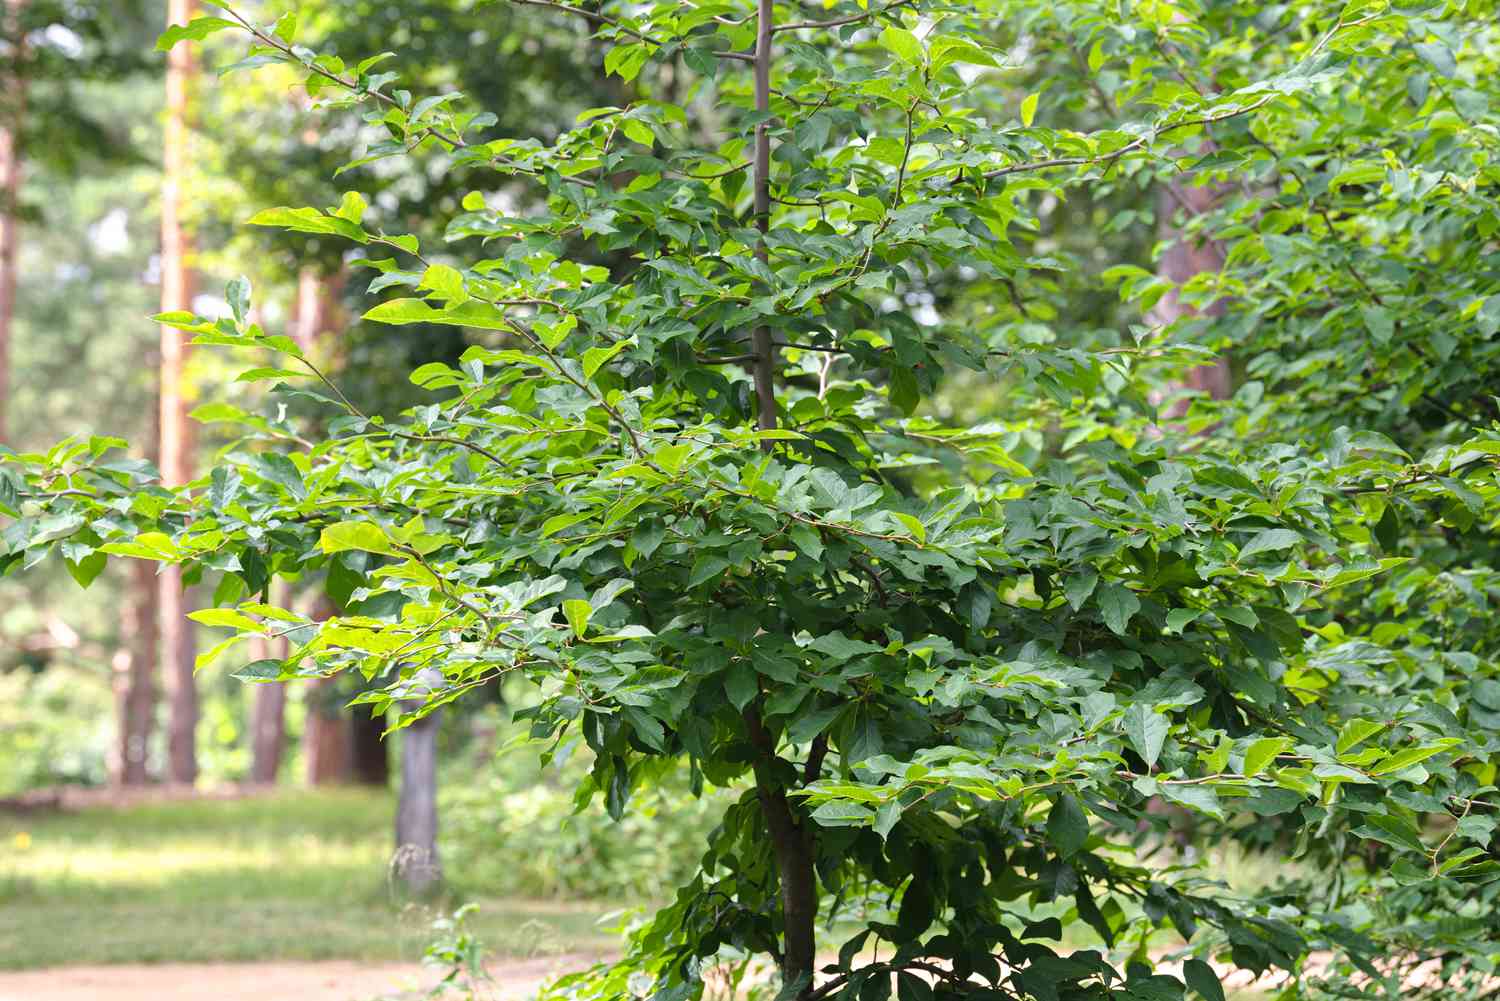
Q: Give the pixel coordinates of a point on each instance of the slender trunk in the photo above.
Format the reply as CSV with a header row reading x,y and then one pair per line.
x,y
134,668
268,712
416,864
327,740
13,110
267,732
791,843
176,444
765,352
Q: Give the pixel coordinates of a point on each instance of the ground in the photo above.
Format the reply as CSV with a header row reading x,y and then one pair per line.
x,y
293,876
328,980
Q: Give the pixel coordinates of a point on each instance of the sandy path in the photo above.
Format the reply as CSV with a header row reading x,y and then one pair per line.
x,y
324,981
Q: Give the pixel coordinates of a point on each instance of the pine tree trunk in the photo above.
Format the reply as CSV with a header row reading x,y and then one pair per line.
x,y
417,865
12,114
175,438
134,668
268,712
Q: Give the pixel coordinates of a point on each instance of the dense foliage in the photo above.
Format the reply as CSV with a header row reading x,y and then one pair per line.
x,y
689,480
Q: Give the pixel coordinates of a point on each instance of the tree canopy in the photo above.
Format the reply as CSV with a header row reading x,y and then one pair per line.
x,y
698,480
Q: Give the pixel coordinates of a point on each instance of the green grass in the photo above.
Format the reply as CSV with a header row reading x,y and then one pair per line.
x,y
296,875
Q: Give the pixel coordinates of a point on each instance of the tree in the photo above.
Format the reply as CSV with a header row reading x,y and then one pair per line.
x,y
14,113
175,450
694,498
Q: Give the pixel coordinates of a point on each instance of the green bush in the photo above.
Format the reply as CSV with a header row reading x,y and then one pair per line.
x,y
513,831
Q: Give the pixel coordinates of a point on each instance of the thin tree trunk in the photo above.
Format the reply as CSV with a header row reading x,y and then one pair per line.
x,y
267,713
13,110
416,864
792,844
134,668
176,443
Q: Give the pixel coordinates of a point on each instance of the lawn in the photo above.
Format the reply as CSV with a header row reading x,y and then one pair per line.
x,y
294,875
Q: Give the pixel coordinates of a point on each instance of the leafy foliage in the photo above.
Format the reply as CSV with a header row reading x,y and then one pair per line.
x,y
694,488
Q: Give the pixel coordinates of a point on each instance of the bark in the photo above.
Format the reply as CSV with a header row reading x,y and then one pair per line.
x,y
792,845
416,864
175,438
134,681
267,732
12,114
1183,259
268,712
370,762
327,746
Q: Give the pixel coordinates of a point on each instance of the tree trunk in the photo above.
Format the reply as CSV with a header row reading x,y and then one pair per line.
x,y
268,710
134,668
12,114
792,846
1182,260
370,763
416,864
326,739
175,438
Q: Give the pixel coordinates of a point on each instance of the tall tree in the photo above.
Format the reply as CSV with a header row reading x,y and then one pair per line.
x,y
13,86
134,677
176,440
417,863
268,710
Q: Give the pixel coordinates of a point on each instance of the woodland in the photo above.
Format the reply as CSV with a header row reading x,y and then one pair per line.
x,y
958,498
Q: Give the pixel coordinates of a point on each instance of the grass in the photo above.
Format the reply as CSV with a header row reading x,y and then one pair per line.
x,y
295,875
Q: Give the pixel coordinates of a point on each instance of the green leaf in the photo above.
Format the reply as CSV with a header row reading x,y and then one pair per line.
x,y
1146,729
1028,109
1067,826
195,30
1117,604
1079,586
1203,980
1201,798
1356,732
595,358
237,294
1261,753
356,535
1438,56
577,613
1271,540
447,282
903,43
1412,755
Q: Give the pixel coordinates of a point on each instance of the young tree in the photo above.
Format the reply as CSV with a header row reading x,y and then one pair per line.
x,y
175,449
693,496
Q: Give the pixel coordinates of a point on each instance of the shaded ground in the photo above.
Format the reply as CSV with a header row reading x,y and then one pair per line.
x,y
336,980
284,876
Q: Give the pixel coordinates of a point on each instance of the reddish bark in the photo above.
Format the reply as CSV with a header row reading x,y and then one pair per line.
x,y
134,670
175,456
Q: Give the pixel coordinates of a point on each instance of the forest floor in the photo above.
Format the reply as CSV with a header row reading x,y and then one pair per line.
x,y
329,980
290,877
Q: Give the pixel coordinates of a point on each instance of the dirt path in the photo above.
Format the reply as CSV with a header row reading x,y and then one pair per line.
x,y
325,981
